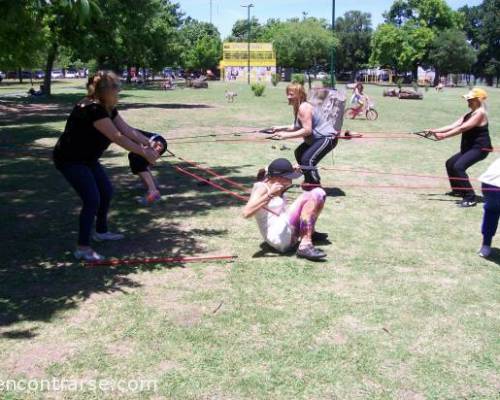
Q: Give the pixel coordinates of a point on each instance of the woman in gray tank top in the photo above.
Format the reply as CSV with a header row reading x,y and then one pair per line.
x,y
318,134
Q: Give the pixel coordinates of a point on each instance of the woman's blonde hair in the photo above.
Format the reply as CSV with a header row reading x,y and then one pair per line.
x,y
100,83
300,96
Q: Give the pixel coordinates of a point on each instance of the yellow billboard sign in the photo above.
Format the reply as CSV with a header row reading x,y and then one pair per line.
x,y
235,58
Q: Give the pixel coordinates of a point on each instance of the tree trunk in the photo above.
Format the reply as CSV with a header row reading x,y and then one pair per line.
x,y
437,77
129,74
51,56
20,75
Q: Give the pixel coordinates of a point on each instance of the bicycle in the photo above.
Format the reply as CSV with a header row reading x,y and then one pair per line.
x,y
368,108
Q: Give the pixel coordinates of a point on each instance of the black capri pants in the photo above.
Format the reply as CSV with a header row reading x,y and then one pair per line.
x,y
309,155
456,167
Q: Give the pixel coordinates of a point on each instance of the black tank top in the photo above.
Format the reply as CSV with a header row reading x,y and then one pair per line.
x,y
475,138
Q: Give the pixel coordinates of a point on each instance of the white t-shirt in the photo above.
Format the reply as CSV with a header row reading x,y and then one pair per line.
x,y
275,229
492,174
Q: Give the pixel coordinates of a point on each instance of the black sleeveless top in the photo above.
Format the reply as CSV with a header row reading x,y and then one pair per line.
x,y
475,138
81,142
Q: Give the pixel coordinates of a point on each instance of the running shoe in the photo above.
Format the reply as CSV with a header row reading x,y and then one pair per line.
x,y
149,198
100,237
484,251
310,253
466,203
87,255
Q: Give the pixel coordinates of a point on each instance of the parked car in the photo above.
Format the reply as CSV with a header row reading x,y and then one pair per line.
x,y
56,74
2,75
38,74
321,75
70,74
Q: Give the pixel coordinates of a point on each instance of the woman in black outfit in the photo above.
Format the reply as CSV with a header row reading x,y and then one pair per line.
x,y
474,146
91,127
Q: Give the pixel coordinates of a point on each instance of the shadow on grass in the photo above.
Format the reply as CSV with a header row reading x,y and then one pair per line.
x,y
38,275
56,108
495,256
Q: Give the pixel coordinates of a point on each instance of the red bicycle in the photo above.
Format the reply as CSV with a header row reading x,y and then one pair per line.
x,y
368,108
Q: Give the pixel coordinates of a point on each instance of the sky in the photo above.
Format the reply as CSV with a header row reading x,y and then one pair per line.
x,y
226,12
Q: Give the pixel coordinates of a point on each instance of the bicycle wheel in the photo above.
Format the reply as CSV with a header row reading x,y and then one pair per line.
x,y
371,114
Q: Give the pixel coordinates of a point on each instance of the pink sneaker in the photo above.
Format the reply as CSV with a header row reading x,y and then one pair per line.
x,y
149,198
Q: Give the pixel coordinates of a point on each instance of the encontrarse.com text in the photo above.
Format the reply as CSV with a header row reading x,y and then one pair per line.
x,y
74,385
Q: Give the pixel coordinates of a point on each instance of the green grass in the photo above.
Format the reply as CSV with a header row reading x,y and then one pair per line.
x,y
402,309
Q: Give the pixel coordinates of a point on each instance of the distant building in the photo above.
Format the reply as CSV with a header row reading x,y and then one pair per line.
x,y
234,63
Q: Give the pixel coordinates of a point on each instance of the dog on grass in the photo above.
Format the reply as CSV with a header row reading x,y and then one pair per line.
x,y
230,96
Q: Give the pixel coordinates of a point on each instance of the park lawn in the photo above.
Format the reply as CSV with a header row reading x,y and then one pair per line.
x,y
402,309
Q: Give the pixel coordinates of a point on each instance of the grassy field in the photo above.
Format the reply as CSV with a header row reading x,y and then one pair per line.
x,y
402,309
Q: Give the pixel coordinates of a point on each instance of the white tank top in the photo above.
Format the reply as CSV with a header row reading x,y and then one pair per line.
x,y
274,226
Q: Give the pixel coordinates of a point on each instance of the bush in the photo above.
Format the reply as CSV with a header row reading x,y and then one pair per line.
x,y
298,78
258,89
326,82
399,83
275,78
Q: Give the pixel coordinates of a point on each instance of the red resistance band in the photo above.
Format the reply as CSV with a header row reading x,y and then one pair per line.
x,y
368,172
162,260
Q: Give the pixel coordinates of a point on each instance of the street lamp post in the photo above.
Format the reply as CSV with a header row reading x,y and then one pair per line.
x,y
332,67
248,6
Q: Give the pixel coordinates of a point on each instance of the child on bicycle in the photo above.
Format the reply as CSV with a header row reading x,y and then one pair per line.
x,y
358,99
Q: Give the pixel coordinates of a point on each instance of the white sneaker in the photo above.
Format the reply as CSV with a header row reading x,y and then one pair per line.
x,y
99,237
484,252
87,255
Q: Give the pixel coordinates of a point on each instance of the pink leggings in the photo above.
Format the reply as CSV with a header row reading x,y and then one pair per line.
x,y
301,223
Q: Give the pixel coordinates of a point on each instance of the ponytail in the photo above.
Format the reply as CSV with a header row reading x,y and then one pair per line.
x,y
100,83
261,175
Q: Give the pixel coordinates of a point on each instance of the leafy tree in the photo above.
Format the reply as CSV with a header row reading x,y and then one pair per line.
x,y
451,53
64,22
435,14
303,44
202,45
22,37
239,32
387,46
412,26
354,31
134,34
482,26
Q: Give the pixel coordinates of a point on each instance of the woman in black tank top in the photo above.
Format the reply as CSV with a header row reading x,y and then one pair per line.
x,y
474,147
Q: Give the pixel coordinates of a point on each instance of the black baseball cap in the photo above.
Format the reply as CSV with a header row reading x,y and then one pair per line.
x,y
161,139
281,167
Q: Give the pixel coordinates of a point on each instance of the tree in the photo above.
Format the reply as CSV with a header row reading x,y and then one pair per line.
x,y
415,25
482,26
202,44
239,33
451,53
64,22
303,43
354,31
434,14
387,46
22,37
134,34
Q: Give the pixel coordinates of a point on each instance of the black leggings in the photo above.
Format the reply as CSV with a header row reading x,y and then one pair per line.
x,y
456,167
309,155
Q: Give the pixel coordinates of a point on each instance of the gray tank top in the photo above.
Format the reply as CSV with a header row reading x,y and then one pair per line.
x,y
321,127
